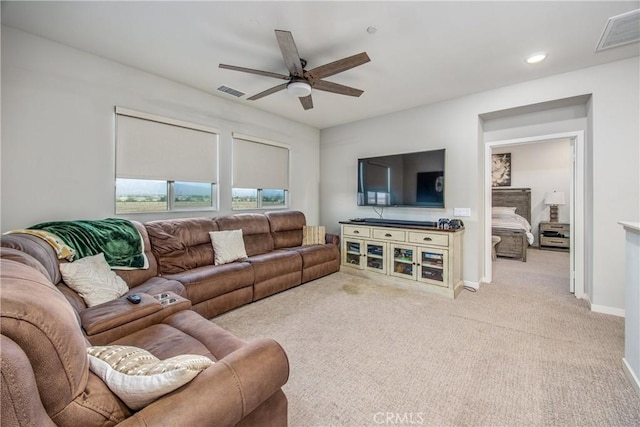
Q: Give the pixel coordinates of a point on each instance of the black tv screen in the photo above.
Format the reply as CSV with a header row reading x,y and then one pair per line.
x,y
408,179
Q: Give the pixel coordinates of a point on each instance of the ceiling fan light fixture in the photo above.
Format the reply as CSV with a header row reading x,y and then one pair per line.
x,y
299,89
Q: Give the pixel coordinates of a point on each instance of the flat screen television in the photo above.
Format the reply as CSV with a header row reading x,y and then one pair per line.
x,y
403,180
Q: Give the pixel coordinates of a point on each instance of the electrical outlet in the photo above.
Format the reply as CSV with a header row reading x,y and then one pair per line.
x,y
461,211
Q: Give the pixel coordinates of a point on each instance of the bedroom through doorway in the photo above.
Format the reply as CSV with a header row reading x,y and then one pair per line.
x,y
539,166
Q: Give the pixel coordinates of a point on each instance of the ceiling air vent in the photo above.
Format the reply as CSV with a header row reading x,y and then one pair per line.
x,y
230,91
620,30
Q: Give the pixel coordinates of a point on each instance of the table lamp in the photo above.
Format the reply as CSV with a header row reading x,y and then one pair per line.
x,y
553,200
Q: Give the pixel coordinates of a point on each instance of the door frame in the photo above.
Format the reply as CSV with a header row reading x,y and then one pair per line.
x,y
577,207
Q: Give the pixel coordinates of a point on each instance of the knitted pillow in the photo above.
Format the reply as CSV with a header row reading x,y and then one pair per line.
x,y
137,377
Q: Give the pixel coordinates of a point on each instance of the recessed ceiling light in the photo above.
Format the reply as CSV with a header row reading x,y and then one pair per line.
x,y
372,29
536,57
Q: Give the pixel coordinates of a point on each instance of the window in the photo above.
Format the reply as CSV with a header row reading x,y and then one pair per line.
x,y
163,164
260,174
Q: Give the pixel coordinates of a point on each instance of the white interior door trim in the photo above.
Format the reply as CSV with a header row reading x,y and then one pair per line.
x,y
577,254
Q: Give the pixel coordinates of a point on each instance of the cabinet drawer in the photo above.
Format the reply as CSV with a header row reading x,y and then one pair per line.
x,y
426,238
352,230
388,234
557,242
560,228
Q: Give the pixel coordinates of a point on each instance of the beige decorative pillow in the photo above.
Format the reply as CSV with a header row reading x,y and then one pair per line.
x,y
137,377
92,278
228,246
313,235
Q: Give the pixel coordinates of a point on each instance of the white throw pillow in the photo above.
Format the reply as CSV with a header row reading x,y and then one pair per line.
x,y
92,278
137,377
228,246
313,235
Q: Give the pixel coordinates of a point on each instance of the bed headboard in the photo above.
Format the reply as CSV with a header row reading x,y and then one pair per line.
x,y
520,198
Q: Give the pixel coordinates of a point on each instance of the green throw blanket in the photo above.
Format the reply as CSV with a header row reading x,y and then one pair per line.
x,y
118,239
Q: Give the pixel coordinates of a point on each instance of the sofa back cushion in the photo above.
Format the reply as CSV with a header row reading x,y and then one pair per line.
x,y
255,231
286,228
39,249
181,244
39,319
139,276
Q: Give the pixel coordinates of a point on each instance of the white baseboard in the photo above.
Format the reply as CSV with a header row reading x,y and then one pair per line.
x,y
474,285
607,310
633,379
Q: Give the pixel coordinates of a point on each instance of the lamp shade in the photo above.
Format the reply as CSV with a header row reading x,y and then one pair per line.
x,y
555,198
299,88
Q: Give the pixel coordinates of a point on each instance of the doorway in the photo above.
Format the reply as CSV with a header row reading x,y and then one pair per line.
x,y
576,197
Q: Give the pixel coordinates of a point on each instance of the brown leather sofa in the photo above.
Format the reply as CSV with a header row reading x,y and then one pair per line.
x,y
276,258
46,379
243,388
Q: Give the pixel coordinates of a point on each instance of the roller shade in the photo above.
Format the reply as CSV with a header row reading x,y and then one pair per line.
x,y
148,149
260,165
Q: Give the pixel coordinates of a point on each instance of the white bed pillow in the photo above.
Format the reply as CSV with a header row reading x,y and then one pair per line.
x,y
137,377
502,210
92,278
228,246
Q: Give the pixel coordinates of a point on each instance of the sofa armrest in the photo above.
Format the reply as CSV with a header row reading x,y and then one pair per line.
x,y
117,312
21,404
117,318
332,239
224,393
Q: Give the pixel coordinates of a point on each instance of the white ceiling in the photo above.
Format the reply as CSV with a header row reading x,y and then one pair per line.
x,y
423,52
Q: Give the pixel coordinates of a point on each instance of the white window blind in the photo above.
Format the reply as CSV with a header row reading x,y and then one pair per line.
x,y
149,149
257,164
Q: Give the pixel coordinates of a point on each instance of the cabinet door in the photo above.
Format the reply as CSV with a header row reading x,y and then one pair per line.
x,y
433,266
375,256
403,262
352,253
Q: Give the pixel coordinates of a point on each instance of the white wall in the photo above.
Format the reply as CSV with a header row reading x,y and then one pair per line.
x,y
614,126
543,167
58,132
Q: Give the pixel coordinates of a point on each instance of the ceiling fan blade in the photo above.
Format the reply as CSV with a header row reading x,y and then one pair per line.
x,y
269,92
289,52
337,88
252,71
338,66
307,102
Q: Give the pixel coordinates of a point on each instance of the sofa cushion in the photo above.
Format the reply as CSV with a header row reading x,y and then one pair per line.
x,y
138,377
92,278
203,283
255,231
286,228
228,246
181,244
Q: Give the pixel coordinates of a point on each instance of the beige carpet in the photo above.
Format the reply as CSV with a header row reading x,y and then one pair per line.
x,y
522,351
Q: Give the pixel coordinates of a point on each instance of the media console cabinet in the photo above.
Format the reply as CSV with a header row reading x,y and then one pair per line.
x,y
408,254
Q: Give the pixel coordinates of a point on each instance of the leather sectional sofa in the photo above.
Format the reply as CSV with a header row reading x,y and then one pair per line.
x,y
46,326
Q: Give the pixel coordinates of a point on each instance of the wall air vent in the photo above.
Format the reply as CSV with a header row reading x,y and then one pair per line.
x,y
231,91
620,30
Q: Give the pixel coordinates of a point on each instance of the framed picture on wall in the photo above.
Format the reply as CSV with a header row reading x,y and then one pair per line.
x,y
501,170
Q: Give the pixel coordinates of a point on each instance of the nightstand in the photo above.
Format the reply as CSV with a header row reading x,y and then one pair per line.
x,y
554,236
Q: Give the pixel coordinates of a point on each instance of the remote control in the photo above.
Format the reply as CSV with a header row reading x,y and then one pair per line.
x,y
134,298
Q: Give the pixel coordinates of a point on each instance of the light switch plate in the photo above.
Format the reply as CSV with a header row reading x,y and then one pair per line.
x,y
461,211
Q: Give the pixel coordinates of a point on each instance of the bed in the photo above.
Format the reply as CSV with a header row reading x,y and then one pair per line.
x,y
511,221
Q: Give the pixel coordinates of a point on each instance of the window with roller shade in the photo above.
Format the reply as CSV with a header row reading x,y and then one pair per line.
x,y
164,164
260,174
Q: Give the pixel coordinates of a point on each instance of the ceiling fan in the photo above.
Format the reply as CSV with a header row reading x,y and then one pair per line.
x,y
300,81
